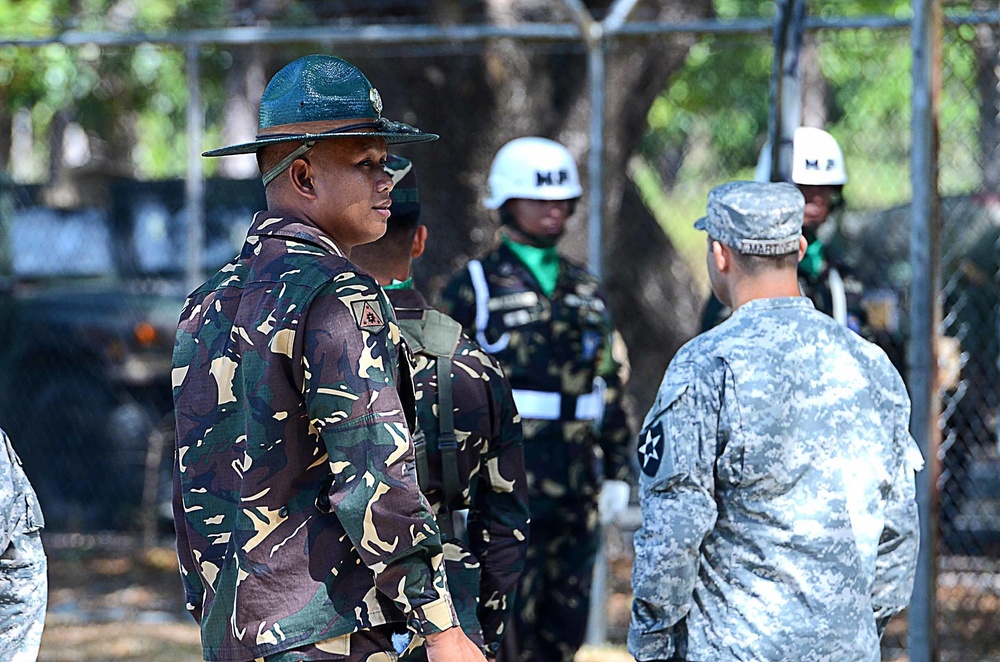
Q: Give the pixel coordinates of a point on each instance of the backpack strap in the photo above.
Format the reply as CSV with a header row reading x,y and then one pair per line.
x,y
437,335
420,456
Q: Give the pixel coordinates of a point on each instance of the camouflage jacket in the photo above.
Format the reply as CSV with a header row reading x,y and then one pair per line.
x,y
777,492
23,579
484,569
297,511
549,346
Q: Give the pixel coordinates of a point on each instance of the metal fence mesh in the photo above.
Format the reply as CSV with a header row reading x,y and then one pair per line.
x,y
92,253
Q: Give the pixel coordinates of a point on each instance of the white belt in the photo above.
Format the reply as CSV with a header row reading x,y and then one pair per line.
x,y
547,405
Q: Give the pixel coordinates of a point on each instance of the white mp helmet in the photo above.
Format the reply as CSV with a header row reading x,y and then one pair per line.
x,y
816,159
534,169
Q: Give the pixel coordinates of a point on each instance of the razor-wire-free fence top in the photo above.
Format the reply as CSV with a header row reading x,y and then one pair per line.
x,y
109,215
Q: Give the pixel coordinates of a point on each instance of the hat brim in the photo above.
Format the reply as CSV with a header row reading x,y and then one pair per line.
x,y
700,223
391,137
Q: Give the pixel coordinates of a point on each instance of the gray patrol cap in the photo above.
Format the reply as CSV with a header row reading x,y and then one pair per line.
x,y
755,218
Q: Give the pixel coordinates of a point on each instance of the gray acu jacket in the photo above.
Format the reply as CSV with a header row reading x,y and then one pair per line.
x,y
779,516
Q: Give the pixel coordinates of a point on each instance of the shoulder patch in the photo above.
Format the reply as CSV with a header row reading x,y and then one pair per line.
x,y
651,449
368,314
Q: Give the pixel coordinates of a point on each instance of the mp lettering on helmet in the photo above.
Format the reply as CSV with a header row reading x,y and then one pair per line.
x,y
551,177
814,164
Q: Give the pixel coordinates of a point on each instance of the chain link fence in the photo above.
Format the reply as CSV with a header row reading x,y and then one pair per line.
x,y
95,259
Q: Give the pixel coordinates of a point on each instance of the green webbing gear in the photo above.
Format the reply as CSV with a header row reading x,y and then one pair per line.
x,y
437,335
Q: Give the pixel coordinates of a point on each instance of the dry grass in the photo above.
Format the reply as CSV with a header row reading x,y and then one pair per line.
x,y
130,641
122,606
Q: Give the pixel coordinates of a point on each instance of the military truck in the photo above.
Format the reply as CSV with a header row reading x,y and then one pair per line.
x,y
89,299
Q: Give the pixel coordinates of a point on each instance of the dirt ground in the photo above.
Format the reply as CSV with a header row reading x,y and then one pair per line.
x,y
118,604
125,606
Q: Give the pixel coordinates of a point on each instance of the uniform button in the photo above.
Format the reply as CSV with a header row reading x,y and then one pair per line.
x,y
283,512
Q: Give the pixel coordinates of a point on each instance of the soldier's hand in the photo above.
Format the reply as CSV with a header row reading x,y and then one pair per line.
x,y
613,500
452,645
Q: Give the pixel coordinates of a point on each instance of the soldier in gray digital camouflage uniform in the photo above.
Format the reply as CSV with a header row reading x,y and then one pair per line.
x,y
301,530
470,461
777,488
23,580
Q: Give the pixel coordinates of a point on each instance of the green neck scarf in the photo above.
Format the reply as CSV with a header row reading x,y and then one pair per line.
x,y
543,263
399,284
814,259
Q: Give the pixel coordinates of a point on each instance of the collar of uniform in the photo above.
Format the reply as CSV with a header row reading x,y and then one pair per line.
x,y
407,300
814,261
774,303
274,223
542,265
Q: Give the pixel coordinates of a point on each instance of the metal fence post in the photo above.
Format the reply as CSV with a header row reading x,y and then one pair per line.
x,y
596,51
925,315
786,87
194,184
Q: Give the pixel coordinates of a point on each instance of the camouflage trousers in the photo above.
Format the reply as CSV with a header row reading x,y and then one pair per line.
x,y
23,597
374,645
553,600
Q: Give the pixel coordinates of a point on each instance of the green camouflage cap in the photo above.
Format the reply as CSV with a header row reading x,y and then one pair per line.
x,y
322,88
405,195
755,218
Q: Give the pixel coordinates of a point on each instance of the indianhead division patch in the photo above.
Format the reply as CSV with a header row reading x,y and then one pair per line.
x,y
368,315
651,449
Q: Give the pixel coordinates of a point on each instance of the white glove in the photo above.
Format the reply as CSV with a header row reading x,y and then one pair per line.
x,y
612,500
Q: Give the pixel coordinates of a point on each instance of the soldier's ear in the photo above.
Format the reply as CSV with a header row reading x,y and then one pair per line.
x,y
300,175
419,242
722,256
803,245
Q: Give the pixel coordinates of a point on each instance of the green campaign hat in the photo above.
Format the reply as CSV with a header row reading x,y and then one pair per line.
x,y
324,90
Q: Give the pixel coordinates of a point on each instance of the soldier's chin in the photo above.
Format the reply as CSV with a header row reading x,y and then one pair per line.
x,y
550,238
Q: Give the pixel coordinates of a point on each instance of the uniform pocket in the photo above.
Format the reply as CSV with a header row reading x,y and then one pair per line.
x,y
33,520
23,557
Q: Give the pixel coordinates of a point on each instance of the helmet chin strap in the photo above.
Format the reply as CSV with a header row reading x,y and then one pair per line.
x,y
540,241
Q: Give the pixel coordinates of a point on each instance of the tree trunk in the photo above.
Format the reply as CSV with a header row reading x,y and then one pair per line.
x,y
480,97
489,95
814,86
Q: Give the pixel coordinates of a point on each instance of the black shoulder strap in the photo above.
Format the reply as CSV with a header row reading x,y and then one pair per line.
x,y
437,335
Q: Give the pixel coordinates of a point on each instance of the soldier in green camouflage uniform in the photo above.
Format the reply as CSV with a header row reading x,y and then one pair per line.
x,y
472,461
544,318
301,531
23,582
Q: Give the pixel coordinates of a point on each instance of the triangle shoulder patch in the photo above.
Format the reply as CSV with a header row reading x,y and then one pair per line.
x,y
368,315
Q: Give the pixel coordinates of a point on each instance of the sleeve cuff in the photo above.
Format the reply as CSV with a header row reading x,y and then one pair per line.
x,y
656,645
434,617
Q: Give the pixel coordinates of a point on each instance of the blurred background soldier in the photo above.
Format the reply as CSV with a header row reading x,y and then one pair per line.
x,y
301,531
23,579
469,459
818,172
779,519
544,318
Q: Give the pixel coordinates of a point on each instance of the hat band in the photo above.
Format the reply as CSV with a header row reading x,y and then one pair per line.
x,y
766,247
306,136
281,165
